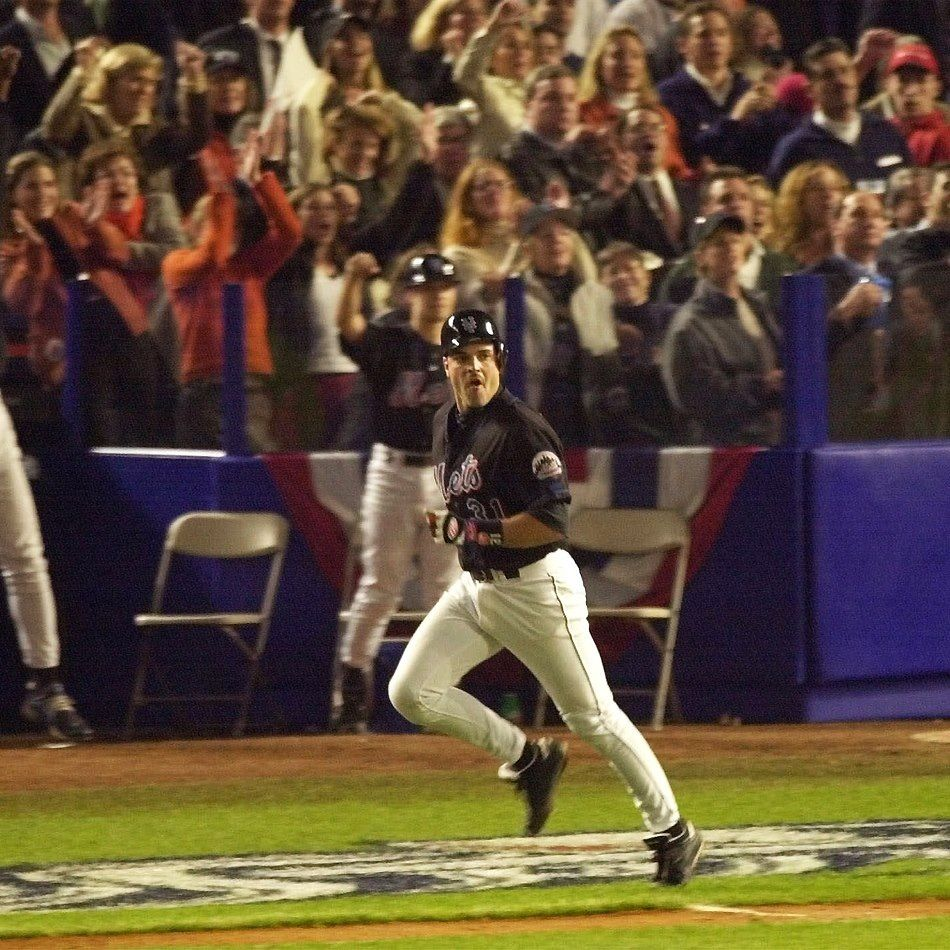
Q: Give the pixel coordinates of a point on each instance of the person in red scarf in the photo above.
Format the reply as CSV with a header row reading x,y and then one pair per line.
x,y
913,84
137,231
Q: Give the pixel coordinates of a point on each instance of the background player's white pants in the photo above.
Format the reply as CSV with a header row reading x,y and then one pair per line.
x,y
392,518
25,572
542,618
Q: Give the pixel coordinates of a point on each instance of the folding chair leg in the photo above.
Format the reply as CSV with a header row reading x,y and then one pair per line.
x,y
241,722
664,691
140,674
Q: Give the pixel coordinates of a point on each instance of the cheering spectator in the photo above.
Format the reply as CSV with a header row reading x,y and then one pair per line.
x,y
492,69
45,37
347,126
621,331
865,148
930,241
763,210
758,41
721,355
480,231
551,150
638,200
913,85
442,31
615,79
242,233
806,208
113,94
51,243
418,211
313,376
134,231
260,39
234,104
549,47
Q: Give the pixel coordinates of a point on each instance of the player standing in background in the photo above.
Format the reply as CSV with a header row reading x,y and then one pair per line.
x,y
501,470
401,358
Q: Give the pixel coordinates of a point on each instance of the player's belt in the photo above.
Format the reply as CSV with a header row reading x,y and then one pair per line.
x,y
412,459
489,576
527,572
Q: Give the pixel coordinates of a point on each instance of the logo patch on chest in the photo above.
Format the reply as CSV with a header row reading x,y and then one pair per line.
x,y
546,465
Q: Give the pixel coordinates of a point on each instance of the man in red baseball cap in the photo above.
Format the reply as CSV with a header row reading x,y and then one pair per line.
x,y
912,81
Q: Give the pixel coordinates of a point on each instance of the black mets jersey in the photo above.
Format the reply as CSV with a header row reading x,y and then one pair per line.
x,y
406,380
499,461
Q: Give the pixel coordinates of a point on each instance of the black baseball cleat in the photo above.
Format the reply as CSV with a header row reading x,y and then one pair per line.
x,y
351,701
53,708
676,851
538,781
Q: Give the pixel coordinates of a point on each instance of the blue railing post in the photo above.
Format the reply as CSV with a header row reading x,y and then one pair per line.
x,y
233,394
515,374
804,309
71,396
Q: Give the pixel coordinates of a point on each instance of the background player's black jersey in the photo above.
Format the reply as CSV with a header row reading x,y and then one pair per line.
x,y
499,461
406,380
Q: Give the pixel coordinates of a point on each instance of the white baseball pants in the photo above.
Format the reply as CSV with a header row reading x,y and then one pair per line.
x,y
541,617
22,560
392,516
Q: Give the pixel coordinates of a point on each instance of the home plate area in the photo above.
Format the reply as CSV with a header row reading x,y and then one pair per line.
x,y
467,865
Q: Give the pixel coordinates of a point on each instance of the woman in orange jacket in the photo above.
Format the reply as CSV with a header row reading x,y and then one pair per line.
x,y
242,240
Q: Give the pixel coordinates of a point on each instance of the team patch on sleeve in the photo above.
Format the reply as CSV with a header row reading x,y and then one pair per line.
x,y
546,465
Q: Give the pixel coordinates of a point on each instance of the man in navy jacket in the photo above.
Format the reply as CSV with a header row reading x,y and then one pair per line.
x,y
720,113
867,149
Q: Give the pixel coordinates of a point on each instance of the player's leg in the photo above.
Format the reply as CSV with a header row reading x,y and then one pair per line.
x,y
445,646
30,594
388,528
544,623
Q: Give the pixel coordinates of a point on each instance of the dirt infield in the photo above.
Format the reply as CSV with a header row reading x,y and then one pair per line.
x,y
24,766
636,920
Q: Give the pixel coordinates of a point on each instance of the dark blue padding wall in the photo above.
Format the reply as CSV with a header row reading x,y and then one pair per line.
x,y
880,550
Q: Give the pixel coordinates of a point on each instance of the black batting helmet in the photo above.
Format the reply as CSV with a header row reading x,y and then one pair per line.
x,y
429,269
471,326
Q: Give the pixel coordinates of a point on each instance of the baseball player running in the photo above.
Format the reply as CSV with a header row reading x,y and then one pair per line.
x,y
30,596
501,470
401,357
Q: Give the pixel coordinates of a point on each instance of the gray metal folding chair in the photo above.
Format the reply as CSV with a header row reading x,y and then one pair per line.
x,y
215,535
632,531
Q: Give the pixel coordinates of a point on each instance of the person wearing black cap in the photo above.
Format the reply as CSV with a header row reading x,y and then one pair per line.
x,y
503,477
399,354
721,355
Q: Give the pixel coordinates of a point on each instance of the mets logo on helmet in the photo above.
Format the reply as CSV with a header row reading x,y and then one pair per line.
x,y
546,465
468,324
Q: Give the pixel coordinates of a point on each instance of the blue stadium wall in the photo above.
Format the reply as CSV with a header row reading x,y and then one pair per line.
x,y
825,594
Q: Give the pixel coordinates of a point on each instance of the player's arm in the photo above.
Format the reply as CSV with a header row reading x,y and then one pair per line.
x,y
350,319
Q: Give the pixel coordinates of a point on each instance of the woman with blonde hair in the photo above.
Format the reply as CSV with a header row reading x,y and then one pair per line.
x,y
441,32
493,69
616,79
806,206
348,76
113,94
479,234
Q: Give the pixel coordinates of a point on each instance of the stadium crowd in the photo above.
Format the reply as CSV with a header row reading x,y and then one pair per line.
x,y
651,168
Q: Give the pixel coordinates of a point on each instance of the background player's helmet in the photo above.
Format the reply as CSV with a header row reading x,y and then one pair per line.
x,y
429,269
472,326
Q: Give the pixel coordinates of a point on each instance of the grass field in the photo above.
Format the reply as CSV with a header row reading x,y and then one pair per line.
x,y
759,783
